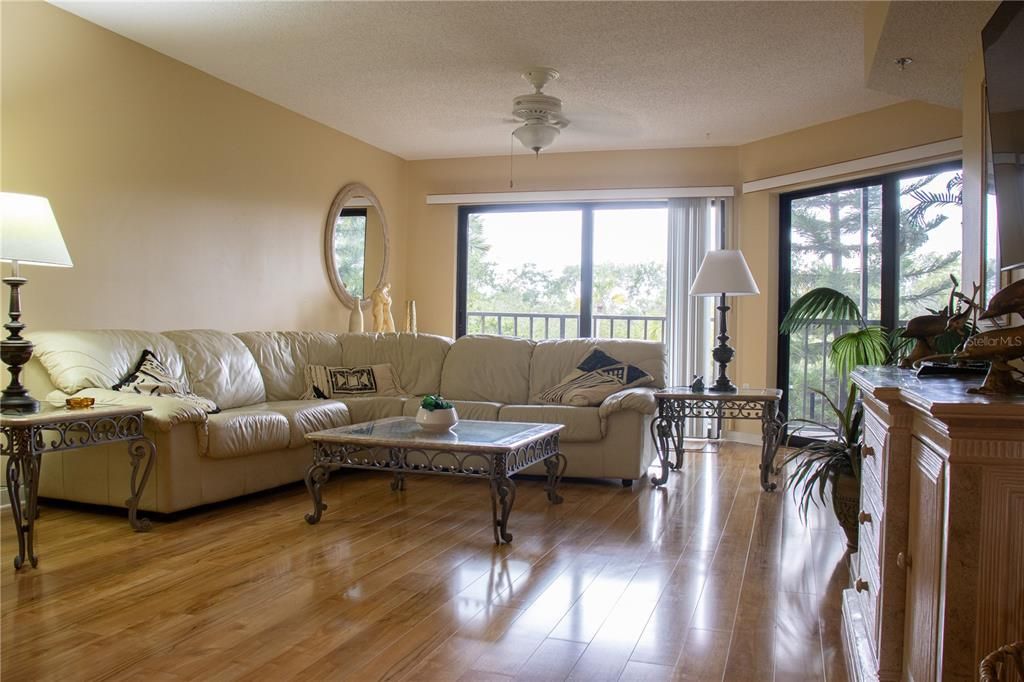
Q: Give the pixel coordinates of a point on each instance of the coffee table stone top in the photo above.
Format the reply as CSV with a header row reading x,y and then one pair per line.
x,y
468,435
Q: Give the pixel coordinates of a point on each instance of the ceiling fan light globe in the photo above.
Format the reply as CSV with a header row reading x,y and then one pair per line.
x,y
536,136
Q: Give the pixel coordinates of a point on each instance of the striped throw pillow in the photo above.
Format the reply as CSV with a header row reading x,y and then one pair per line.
x,y
594,379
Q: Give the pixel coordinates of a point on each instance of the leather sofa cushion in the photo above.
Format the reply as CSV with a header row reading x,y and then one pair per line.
x,y
246,431
220,367
100,358
466,409
282,358
488,368
554,359
417,359
582,424
367,409
307,416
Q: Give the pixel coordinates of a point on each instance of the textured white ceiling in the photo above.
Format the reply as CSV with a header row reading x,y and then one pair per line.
x,y
436,79
940,37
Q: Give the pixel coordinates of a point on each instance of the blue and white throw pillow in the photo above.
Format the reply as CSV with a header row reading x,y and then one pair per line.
x,y
594,379
151,377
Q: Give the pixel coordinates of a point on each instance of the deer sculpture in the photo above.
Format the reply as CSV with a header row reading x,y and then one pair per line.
x,y
959,317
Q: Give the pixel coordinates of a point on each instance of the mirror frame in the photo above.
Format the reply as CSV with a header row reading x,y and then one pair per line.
x,y
347,193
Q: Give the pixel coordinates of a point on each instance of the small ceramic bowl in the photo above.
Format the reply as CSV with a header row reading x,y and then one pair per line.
x,y
437,421
79,403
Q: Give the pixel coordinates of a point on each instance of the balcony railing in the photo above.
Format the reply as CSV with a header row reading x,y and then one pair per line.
x,y
540,326
809,369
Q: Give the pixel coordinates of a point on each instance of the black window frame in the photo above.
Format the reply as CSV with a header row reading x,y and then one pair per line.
x,y
889,247
586,208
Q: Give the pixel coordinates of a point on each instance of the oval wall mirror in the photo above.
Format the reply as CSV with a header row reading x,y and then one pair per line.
x,y
356,244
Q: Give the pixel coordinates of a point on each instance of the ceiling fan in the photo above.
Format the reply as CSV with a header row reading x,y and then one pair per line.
x,y
541,114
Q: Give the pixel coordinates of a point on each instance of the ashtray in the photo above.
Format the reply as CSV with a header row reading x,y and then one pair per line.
x,y
79,403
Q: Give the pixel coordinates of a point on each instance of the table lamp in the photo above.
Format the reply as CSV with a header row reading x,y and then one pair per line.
x,y
28,235
723,273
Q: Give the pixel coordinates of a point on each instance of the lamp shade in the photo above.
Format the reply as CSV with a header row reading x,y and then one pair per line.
x,y
724,272
536,135
29,232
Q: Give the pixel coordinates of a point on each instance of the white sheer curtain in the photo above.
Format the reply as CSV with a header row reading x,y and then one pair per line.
x,y
689,334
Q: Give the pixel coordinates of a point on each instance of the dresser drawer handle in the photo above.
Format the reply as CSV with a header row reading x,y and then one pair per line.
x,y
867,451
903,560
861,585
864,517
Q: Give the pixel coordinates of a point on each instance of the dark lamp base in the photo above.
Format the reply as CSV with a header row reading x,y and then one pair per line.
x,y
25,404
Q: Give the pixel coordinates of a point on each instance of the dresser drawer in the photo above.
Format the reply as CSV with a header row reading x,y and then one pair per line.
x,y
869,522
867,585
873,450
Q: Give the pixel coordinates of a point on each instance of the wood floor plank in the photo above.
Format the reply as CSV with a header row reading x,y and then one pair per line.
x,y
705,578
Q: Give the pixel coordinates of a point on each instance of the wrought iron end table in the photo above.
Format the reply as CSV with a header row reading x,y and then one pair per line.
x,y
474,449
25,438
677,404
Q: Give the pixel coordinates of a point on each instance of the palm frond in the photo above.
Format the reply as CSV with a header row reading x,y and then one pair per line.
x,y
865,346
818,305
926,200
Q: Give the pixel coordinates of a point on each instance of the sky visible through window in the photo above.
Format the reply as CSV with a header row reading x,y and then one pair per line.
x,y
529,262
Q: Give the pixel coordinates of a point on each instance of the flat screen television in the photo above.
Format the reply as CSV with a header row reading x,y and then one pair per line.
x,y
1003,42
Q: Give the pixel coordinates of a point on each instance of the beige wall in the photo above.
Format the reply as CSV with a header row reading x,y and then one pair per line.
x,y
974,159
184,201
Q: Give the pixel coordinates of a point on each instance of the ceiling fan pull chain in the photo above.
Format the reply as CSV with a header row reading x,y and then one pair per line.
x,y
511,144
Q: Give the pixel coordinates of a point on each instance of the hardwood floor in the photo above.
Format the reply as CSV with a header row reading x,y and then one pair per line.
x,y
705,579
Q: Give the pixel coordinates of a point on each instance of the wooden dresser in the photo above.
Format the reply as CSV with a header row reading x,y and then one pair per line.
x,y
938,579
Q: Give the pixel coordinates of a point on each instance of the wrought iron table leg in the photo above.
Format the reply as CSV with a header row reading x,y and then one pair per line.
x,y
137,450
23,473
769,434
677,431
503,494
660,427
395,458
316,476
555,465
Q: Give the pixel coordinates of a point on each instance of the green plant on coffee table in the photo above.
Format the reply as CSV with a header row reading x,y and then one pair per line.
x,y
435,402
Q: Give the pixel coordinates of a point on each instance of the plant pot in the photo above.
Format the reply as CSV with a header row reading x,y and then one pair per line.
x,y
437,421
846,505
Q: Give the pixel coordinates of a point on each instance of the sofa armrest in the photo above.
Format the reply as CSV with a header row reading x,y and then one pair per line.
x,y
636,399
165,411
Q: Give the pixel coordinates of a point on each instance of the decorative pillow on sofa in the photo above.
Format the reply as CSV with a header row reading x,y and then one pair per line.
x,y
346,382
151,377
594,379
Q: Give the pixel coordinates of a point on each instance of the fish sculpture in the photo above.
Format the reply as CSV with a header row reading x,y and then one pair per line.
x,y
1010,299
999,347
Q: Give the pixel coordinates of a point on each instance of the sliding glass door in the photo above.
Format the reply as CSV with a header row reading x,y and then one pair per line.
x,y
889,242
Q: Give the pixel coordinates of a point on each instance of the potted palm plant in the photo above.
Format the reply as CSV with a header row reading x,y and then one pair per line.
x,y
830,465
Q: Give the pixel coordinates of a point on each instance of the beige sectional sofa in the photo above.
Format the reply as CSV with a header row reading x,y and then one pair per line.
x,y
257,379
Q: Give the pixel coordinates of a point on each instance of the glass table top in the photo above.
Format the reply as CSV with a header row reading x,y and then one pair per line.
x,y
466,435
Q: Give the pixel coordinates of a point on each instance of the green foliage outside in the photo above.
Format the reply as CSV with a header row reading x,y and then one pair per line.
x,y
350,252
828,233
633,289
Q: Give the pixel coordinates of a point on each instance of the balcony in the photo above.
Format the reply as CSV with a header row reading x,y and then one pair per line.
x,y
540,326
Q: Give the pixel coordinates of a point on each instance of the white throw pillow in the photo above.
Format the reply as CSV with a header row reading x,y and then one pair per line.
x,y
345,382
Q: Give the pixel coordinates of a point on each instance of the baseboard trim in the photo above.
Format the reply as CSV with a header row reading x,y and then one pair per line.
x,y
742,437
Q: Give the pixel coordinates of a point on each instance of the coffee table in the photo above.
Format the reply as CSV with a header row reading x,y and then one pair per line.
x,y
474,449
